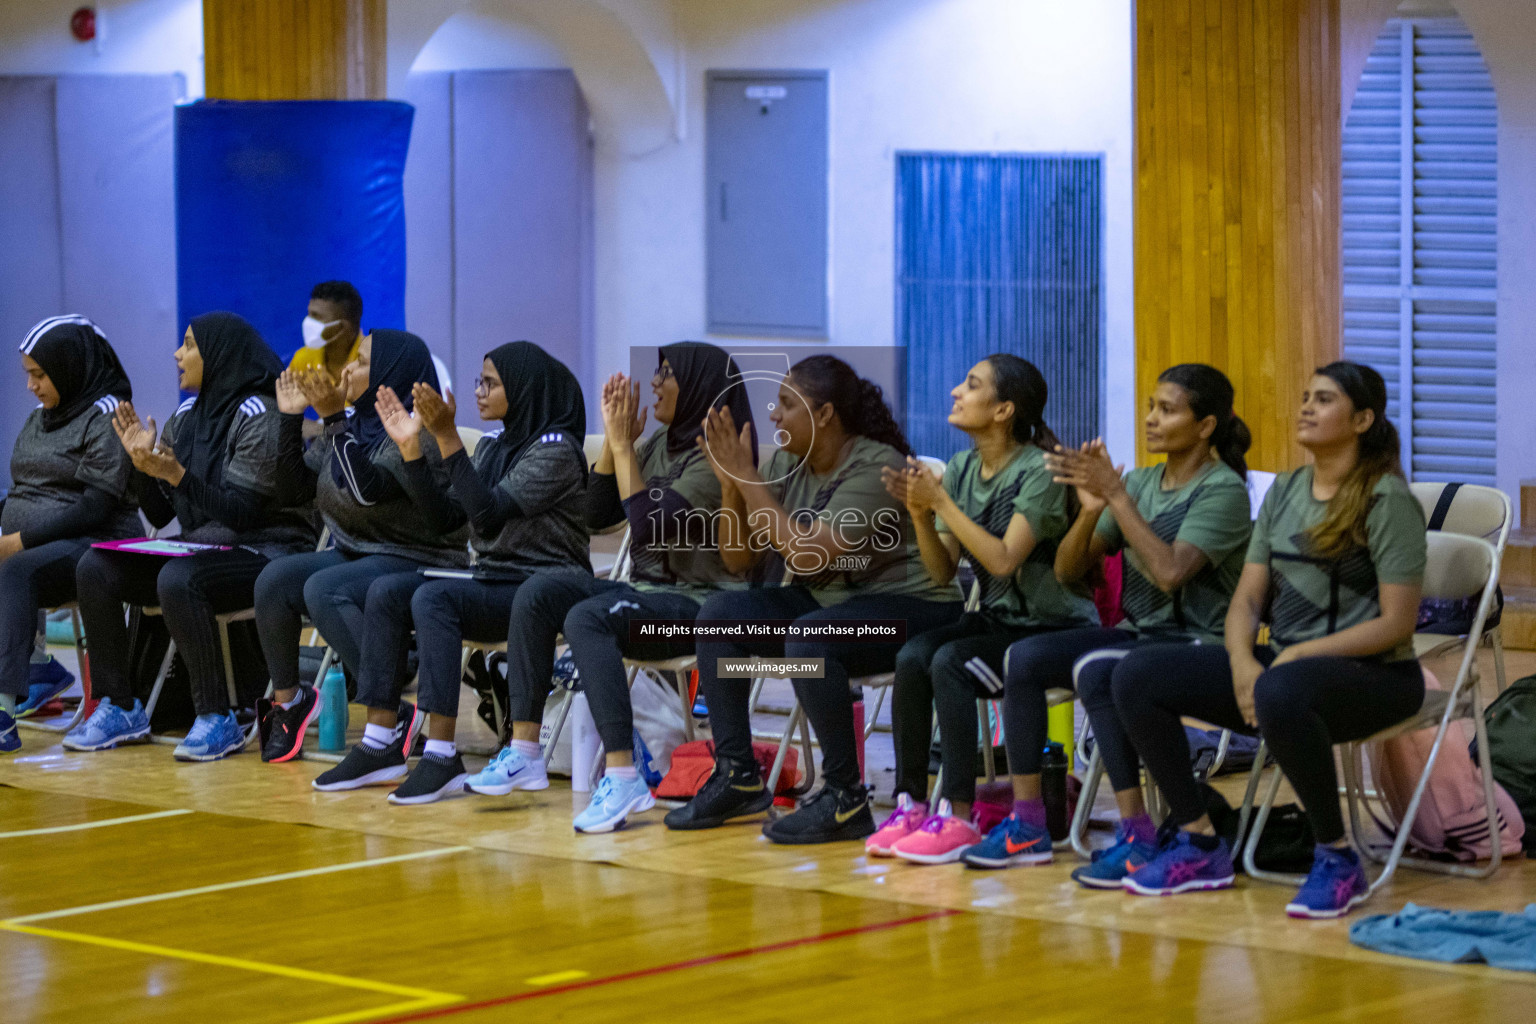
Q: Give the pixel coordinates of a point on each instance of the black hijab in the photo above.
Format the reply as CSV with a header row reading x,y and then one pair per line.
x,y
399,359
237,364
703,374
543,397
79,362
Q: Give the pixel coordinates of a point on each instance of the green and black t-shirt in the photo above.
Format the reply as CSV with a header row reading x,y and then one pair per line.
x,y
1313,597
883,556
1210,511
1032,596
690,566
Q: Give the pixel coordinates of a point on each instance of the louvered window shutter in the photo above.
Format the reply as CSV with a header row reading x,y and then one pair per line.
x,y
1420,240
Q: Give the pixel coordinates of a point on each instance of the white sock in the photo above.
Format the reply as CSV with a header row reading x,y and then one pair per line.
x,y
297,696
377,737
8,703
442,748
629,774
529,749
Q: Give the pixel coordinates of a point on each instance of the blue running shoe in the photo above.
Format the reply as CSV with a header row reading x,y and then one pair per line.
x,y
1181,866
613,801
1110,866
1009,843
1335,886
45,681
509,771
212,737
108,726
10,742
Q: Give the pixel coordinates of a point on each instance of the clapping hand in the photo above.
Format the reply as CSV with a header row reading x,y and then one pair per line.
x,y
729,450
138,440
1089,470
404,428
916,486
623,414
437,412
326,396
290,394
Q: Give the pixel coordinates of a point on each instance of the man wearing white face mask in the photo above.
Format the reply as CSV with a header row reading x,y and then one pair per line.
x,y
332,329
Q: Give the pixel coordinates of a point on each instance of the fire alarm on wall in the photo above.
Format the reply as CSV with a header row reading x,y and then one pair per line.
x,y
82,24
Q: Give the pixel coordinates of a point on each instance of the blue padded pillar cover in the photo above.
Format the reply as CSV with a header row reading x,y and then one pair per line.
x,y
273,197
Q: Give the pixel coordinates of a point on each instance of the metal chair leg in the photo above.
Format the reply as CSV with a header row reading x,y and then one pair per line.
x,y
988,757
559,725
1085,799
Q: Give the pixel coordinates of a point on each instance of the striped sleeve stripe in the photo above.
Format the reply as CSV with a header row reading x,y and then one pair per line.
x,y
187,405
982,671
107,404
43,327
253,406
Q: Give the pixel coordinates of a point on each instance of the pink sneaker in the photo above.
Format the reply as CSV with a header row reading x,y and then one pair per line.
x,y
904,820
941,840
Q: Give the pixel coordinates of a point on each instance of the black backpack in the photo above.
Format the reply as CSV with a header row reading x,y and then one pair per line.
x,y
1511,721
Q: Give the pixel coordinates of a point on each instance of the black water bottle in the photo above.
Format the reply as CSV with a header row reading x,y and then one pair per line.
x,y
1053,790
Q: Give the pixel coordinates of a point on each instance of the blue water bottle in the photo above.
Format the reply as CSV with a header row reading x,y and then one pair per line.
x,y
333,710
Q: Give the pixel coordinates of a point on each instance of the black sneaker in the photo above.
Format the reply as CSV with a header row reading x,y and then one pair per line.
x,y
730,793
831,816
282,729
363,766
432,779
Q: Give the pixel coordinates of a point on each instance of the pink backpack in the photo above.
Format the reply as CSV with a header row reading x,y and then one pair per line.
x,y
1453,816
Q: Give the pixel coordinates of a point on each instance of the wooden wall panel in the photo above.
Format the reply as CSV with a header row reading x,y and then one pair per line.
x,y
1237,201
294,49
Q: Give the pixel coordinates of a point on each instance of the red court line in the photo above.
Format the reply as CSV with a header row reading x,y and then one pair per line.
x,y
681,965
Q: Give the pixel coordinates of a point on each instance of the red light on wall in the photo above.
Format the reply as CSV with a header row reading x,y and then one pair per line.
x,y
82,24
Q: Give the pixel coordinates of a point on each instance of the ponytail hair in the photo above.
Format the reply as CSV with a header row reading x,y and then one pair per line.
x,y
859,403
1343,525
1019,381
1209,393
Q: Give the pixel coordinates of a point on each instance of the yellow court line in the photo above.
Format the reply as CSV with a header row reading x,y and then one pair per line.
x,y
418,998
556,978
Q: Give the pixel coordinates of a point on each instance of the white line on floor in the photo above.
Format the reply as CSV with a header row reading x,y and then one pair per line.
x,y
82,826
243,883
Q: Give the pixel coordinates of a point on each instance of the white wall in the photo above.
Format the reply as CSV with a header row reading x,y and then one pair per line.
x,y
967,75
133,36
1506,33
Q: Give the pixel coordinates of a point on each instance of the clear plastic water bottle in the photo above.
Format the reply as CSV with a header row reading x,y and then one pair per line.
x,y
333,710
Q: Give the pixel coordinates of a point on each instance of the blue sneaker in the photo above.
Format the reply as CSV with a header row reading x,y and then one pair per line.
x,y
613,801
1336,885
212,737
1181,866
10,742
508,771
45,681
108,726
1010,842
1110,867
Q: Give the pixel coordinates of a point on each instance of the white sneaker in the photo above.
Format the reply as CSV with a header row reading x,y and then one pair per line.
x,y
508,771
613,801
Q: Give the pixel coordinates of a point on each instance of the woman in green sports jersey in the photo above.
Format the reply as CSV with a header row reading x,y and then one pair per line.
x,y
1336,566
997,506
1183,525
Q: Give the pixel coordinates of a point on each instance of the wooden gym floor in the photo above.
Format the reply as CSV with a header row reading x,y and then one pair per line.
x,y
134,888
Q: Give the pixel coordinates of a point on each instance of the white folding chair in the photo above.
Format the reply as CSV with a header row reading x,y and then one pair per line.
x,y
1459,567
1475,511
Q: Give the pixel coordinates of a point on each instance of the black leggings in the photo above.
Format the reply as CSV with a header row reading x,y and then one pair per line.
x,y
828,702
595,616
40,577
1070,659
1304,707
444,613
190,591
944,671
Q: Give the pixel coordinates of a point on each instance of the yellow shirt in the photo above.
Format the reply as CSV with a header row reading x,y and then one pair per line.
x,y
314,358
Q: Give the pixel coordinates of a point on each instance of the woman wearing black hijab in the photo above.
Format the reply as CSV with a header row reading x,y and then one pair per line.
x,y
69,486
668,493
229,469
376,527
523,494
